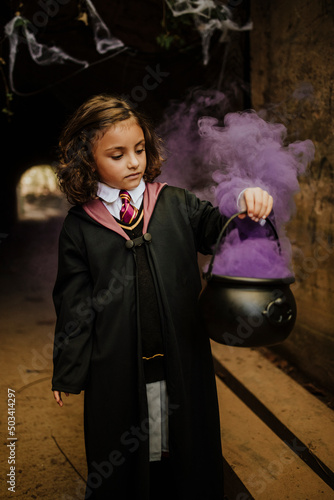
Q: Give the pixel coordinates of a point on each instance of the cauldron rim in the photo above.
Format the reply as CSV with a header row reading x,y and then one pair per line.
x,y
242,280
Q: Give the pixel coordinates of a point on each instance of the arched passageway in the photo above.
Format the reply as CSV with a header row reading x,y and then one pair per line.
x,y
38,195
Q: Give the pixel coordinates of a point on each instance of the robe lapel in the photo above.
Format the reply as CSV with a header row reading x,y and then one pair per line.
x,y
97,211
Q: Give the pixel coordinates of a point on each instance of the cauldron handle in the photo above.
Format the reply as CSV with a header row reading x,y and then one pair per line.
x,y
208,274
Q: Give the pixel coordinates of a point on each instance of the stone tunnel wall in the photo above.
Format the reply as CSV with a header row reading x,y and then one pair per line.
x,y
292,78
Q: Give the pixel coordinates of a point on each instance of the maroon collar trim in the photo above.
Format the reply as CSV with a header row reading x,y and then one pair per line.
x,y
98,211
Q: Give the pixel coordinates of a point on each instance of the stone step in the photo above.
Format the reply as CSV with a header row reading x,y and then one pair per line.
x,y
279,441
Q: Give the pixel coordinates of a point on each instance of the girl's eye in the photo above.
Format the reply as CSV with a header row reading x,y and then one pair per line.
x,y
140,151
117,157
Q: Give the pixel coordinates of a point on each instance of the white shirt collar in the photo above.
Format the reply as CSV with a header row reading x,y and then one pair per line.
x,y
110,194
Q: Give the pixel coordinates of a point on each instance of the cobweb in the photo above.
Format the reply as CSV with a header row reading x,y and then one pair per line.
x,y
39,52
208,17
104,41
45,55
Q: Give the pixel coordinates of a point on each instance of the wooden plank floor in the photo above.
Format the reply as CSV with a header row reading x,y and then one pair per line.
x,y
279,442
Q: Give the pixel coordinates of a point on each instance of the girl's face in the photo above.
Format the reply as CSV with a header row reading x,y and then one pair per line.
x,y
120,157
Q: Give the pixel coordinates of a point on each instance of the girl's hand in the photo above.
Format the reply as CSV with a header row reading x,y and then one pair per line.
x,y
57,396
257,202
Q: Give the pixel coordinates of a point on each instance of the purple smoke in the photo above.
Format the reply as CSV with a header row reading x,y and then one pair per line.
x,y
218,162
248,152
187,163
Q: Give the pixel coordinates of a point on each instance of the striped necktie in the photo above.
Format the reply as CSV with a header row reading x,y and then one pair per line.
x,y
128,213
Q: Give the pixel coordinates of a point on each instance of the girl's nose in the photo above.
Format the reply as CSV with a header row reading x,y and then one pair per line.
x,y
133,161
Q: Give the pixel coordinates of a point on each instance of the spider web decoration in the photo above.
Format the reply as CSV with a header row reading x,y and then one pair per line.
x,y
208,17
40,53
104,41
44,55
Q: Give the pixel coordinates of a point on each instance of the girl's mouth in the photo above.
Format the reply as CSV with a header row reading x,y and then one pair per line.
x,y
132,176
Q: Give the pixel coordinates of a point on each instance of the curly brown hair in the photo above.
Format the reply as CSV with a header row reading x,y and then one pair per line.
x,y
76,173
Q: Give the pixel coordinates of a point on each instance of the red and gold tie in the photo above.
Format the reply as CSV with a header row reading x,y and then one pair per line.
x,y
128,212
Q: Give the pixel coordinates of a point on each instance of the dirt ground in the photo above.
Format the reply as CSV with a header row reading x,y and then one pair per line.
x,y
49,450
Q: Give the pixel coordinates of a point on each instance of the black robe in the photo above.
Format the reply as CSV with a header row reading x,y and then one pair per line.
x,y
98,345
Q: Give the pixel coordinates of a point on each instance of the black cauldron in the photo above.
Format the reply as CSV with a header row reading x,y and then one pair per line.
x,y
247,312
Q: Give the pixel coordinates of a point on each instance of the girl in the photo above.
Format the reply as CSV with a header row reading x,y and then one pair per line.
x,y
127,331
